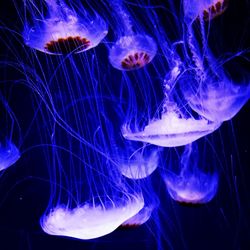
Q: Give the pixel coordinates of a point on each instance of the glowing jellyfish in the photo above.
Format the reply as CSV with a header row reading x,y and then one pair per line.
x,y
207,87
219,100
9,154
207,9
140,164
65,31
191,186
91,220
175,127
89,196
131,50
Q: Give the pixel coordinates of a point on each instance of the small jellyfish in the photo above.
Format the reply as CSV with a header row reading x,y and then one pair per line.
x,y
191,186
207,86
206,9
131,50
216,101
92,219
65,31
174,128
140,164
195,188
9,154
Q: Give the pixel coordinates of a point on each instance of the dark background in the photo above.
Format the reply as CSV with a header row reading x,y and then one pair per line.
x,y
224,223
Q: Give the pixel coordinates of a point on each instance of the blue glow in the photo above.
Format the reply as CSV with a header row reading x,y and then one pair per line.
x,y
124,111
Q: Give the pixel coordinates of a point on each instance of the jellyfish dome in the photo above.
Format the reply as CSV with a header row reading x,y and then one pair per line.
x,y
208,9
196,188
9,154
139,165
65,31
91,220
192,185
172,130
132,52
216,100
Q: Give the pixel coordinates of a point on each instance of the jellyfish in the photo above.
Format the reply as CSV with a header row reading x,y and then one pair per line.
x,y
91,199
64,30
140,164
132,50
9,154
89,196
176,127
206,9
207,85
216,99
92,219
192,185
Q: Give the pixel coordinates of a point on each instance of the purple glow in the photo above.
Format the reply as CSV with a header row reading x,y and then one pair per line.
x,y
91,220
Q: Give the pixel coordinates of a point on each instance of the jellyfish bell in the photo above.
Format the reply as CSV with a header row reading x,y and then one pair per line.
x,y
192,188
140,165
206,9
217,100
133,48
192,185
9,154
172,130
92,219
221,102
64,31
132,52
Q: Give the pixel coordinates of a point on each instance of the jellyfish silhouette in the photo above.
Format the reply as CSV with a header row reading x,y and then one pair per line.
x,y
132,50
64,30
176,127
9,154
192,185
